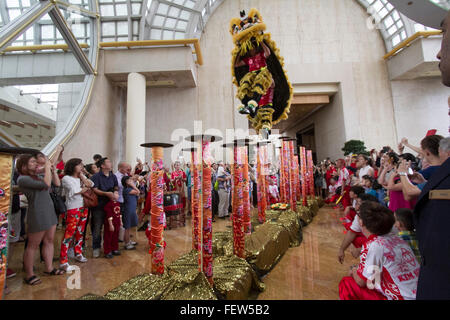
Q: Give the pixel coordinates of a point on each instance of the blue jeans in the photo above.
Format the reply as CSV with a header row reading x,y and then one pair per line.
x,y
97,221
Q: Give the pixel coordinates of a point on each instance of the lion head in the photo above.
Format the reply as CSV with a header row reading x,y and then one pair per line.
x,y
247,30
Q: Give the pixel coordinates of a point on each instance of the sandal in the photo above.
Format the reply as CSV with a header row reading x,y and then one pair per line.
x,y
33,280
55,272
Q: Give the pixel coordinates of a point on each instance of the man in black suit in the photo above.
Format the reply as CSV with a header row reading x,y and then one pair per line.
x,y
432,211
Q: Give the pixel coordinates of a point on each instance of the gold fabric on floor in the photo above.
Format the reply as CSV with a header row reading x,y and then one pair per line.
x,y
309,271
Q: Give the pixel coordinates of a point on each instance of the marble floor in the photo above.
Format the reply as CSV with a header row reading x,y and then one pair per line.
x,y
310,271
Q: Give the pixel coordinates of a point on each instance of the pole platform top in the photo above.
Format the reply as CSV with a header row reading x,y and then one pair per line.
x,y
204,137
263,143
237,143
15,150
157,144
287,139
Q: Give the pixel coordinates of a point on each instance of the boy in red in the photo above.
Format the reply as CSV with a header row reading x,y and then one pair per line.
x,y
113,222
388,269
332,195
355,235
350,211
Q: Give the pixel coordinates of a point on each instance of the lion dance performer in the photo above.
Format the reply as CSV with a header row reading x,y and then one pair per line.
x,y
263,86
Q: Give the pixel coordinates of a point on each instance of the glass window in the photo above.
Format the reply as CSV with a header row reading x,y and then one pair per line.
x,y
185,15
108,29
170,23
14,13
388,22
162,9
190,4
136,8
47,32
58,34
155,34
158,21
383,12
121,9
167,35
179,35
182,25
392,30
174,12
78,30
107,10
135,27
395,15
12,3
396,40
30,33
122,27
377,6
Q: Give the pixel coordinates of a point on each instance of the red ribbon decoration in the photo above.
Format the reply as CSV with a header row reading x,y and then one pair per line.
x,y
238,206
292,188
206,214
157,244
261,185
247,223
195,202
303,171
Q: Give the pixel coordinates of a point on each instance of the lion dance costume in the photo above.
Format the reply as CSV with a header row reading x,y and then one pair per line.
x,y
257,68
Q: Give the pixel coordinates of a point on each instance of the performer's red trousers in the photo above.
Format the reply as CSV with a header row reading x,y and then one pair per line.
x,y
346,201
359,240
333,199
350,290
111,239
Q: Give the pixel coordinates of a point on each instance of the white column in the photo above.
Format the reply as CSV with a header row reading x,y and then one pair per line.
x,y
135,118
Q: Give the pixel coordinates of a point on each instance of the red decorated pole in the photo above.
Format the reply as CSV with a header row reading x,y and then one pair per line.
x,y
246,192
157,214
196,186
285,169
311,173
238,206
205,258
206,219
303,171
297,178
261,183
292,187
282,178
266,173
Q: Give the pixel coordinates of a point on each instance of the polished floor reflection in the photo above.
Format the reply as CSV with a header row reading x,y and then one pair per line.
x,y
310,271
